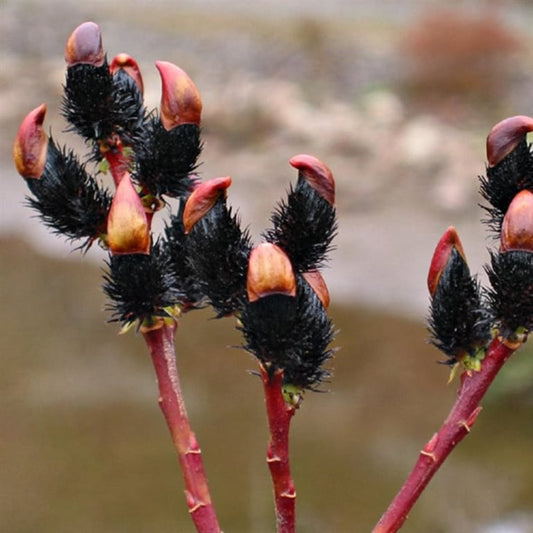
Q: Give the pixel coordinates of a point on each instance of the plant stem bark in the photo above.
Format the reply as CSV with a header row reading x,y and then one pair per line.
x,y
161,345
118,162
462,416
279,414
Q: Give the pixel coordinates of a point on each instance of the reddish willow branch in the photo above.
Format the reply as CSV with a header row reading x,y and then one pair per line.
x,y
462,416
118,161
279,414
161,345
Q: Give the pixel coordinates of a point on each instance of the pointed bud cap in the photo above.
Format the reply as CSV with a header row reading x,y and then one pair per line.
x,y
505,136
317,174
85,46
180,99
441,256
316,282
31,144
269,272
517,226
126,63
202,199
128,231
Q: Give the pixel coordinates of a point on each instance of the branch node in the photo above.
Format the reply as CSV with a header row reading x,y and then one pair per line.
x,y
290,495
195,508
193,451
431,455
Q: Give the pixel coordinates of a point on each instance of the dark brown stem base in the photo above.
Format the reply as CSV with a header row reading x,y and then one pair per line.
x,y
462,416
279,414
161,345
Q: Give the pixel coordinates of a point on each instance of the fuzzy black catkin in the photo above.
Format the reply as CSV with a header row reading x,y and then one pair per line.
x,y
68,199
290,333
140,286
176,248
304,226
168,159
129,114
457,320
504,181
88,100
98,105
511,293
218,252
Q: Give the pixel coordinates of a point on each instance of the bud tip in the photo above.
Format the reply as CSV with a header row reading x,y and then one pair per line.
x,y
505,136
443,251
202,199
517,226
269,272
316,282
128,230
317,174
31,144
84,45
126,63
180,99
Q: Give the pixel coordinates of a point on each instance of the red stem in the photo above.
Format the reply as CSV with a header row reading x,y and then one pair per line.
x,y
161,345
113,151
458,424
119,165
279,414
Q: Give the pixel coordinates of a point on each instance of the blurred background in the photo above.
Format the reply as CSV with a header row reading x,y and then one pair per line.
x,y
397,98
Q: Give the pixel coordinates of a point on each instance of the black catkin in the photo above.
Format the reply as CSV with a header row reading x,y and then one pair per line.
x,y
140,287
218,252
511,293
99,106
68,199
179,261
168,159
304,227
290,333
88,100
504,181
127,112
457,320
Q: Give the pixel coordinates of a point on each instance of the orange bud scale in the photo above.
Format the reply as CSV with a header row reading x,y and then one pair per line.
x,y
269,272
31,144
441,256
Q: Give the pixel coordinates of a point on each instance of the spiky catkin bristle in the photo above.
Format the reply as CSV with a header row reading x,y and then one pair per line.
x,y
304,226
456,320
511,293
176,249
218,252
98,105
129,114
168,158
290,333
68,199
88,100
504,181
140,286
